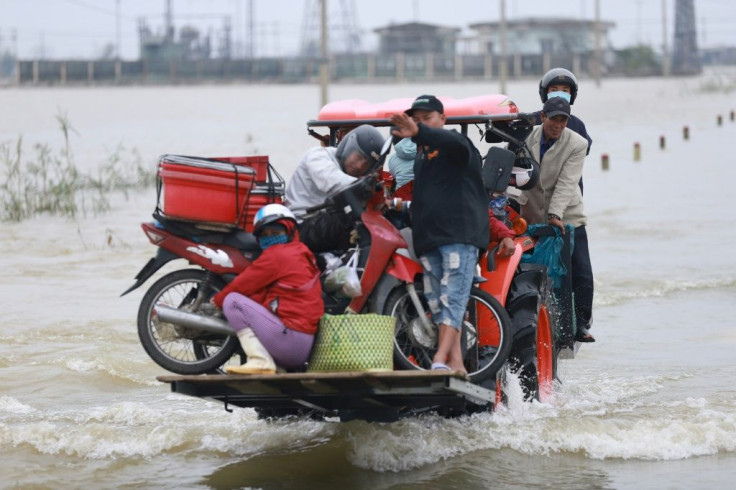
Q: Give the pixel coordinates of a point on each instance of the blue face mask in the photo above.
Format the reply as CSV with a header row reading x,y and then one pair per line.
x,y
267,241
559,93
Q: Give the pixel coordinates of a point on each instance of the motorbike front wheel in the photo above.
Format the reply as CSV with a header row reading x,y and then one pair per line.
x,y
179,349
486,334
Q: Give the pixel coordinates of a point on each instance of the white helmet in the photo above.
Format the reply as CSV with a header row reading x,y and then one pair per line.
x,y
269,214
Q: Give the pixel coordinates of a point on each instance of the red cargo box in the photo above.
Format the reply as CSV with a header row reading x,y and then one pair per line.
x,y
257,200
259,163
202,189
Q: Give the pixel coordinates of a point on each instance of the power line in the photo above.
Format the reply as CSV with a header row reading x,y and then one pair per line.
x,y
99,10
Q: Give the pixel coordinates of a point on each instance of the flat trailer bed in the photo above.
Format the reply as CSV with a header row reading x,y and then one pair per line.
x,y
374,396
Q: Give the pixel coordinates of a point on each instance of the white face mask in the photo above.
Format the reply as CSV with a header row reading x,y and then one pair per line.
x,y
522,176
559,93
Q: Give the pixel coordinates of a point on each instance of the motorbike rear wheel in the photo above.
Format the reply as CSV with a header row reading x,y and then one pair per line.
x,y
179,349
486,335
533,355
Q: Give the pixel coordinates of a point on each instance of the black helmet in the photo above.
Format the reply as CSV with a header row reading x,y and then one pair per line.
x,y
364,139
558,76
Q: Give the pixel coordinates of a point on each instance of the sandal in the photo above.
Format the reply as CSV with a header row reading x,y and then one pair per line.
x,y
439,366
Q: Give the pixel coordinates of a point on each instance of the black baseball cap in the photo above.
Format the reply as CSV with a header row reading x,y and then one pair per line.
x,y
426,103
556,106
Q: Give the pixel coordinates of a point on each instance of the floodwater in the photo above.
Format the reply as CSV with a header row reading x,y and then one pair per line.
x,y
650,405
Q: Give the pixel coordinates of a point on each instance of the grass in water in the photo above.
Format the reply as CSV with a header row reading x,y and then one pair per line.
x,y
49,181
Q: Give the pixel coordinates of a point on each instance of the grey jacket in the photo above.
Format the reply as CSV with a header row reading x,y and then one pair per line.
x,y
557,191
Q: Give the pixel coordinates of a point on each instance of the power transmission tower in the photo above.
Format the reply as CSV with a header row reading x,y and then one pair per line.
x,y
345,34
685,58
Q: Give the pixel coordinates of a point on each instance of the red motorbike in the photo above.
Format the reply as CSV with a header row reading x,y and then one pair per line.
x,y
177,328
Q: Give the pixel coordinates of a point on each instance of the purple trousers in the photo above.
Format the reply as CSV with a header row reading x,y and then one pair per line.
x,y
290,349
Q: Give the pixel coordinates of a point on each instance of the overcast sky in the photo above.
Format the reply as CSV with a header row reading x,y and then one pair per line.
x,y
83,28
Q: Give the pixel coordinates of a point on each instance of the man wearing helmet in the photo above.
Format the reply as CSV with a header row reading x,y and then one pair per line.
x,y
557,199
449,219
324,171
275,304
559,82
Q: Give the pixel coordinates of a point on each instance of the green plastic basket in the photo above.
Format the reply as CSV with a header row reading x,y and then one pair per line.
x,y
353,343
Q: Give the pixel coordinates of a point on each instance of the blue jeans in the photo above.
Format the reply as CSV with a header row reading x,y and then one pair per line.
x,y
448,277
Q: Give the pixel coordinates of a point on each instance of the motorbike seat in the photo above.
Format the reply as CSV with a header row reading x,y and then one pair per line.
x,y
242,240
234,237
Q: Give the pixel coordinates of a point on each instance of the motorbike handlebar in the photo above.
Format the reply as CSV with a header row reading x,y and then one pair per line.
x,y
354,195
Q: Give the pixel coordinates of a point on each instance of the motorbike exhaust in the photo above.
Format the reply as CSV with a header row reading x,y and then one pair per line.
x,y
192,320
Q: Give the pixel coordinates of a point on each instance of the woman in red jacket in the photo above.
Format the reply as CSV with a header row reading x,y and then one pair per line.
x,y
275,304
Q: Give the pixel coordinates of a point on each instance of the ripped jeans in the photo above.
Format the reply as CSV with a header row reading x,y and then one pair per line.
x,y
448,277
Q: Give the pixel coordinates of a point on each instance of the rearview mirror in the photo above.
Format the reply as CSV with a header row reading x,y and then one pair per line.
x,y
497,166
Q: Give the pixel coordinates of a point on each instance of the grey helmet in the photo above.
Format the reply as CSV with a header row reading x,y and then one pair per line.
x,y
558,76
364,139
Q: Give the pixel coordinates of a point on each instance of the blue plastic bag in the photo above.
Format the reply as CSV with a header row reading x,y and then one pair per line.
x,y
548,250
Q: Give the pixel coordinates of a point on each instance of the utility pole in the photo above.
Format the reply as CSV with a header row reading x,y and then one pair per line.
x,y
504,68
117,30
324,61
169,21
665,46
597,54
250,44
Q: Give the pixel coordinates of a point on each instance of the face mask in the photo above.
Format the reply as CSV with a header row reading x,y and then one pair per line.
x,y
522,175
560,93
267,241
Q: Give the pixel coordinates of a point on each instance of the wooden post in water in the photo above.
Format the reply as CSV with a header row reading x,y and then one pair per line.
x,y
604,161
732,116
685,133
637,152
661,142
719,120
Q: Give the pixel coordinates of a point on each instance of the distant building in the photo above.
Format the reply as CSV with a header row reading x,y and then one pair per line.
x,y
417,38
189,46
539,36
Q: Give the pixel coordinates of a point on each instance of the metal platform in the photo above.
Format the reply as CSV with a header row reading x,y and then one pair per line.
x,y
379,396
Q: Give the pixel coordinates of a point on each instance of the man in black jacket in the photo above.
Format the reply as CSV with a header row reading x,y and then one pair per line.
x,y
449,213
